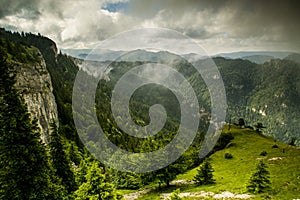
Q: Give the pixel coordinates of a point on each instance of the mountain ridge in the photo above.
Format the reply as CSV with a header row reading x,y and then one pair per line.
x,y
248,87
258,93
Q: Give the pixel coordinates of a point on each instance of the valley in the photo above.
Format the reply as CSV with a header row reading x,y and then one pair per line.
x,y
262,124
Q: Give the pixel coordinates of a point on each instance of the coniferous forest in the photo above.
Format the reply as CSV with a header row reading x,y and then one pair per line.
x,y
256,155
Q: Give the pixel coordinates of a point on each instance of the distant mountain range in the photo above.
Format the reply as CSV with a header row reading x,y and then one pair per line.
x,y
258,57
131,56
241,54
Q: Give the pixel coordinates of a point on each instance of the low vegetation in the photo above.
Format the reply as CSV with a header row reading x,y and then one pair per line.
x,y
232,176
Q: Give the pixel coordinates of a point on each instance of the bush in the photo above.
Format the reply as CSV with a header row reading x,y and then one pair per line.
x,y
275,146
293,141
228,156
223,141
250,127
263,153
175,195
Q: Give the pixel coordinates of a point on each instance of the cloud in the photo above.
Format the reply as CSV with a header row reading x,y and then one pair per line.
x,y
67,22
221,25
273,22
27,8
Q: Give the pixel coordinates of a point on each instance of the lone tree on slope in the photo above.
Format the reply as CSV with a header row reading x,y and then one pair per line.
x,y
260,180
204,175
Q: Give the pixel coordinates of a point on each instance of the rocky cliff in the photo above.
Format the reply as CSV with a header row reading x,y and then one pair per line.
x,y
34,83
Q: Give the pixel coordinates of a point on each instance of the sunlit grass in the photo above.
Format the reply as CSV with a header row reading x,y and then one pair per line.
x,y
233,174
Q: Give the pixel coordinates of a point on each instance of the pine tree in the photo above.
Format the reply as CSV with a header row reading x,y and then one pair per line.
x,y
96,186
204,175
60,161
260,180
25,172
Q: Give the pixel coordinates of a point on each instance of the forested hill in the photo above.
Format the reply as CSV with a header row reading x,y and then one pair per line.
x,y
28,168
62,71
267,93
261,96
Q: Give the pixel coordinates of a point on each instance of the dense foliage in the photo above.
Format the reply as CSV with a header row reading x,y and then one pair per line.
x,y
60,160
25,172
96,186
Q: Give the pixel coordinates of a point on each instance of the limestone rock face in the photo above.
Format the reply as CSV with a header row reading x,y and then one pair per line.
x,y
34,82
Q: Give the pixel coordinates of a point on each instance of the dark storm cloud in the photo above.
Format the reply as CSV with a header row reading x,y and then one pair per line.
x,y
258,16
26,8
219,24
271,21
32,9
149,8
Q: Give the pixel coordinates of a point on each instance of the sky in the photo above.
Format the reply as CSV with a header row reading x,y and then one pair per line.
x,y
218,26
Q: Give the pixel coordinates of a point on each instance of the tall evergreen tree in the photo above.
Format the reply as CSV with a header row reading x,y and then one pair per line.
x,y
204,174
60,161
260,180
96,186
25,172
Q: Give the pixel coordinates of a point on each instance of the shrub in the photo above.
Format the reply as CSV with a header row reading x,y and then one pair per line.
x,y
223,141
228,156
293,141
175,195
263,153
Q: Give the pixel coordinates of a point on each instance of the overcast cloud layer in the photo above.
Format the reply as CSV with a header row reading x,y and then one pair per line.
x,y
218,26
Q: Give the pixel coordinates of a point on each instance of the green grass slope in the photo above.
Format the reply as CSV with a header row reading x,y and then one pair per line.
x,y
233,174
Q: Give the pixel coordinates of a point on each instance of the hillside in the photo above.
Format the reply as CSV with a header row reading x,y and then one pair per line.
x,y
250,90
33,81
266,93
232,175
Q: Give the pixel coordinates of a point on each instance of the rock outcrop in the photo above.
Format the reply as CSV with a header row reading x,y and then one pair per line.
x,y
34,82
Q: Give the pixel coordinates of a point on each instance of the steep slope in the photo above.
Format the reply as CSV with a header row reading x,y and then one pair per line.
x,y
267,93
275,100
62,70
34,83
